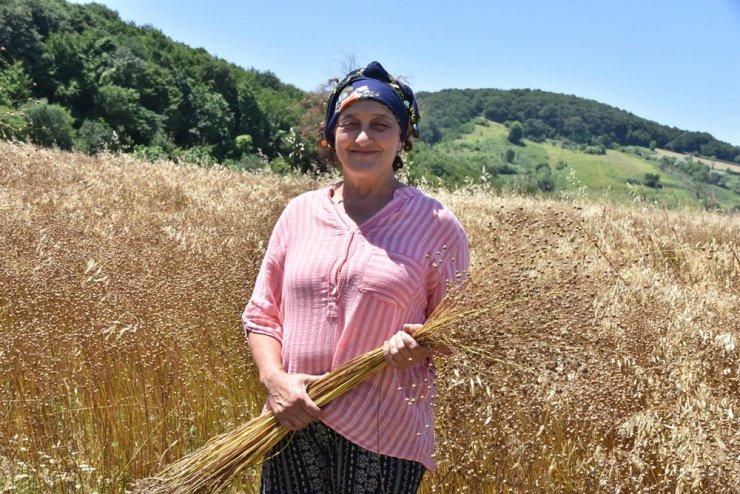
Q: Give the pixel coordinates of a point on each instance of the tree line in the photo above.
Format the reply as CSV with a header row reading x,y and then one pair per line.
x,y
545,115
77,76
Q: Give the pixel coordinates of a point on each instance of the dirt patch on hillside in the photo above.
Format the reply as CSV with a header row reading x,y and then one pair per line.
x,y
717,165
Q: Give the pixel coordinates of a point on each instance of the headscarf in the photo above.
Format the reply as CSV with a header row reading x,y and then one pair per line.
x,y
373,83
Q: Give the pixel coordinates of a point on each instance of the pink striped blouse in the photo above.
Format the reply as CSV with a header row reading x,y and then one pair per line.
x,y
329,292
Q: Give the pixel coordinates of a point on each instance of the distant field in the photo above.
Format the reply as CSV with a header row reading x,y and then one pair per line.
x,y
719,165
615,176
614,351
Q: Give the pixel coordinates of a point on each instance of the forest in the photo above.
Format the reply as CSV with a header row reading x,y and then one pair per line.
x,y
546,115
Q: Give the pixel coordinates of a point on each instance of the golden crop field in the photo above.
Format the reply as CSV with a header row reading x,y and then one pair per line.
x,y
613,362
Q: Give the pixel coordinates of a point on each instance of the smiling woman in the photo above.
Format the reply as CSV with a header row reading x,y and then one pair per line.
x,y
367,138
349,268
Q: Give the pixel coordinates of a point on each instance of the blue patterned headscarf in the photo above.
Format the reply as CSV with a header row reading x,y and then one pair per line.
x,y
373,83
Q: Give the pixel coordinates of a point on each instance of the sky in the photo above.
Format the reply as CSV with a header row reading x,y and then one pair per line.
x,y
676,62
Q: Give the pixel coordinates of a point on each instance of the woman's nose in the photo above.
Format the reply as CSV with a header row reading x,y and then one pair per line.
x,y
363,135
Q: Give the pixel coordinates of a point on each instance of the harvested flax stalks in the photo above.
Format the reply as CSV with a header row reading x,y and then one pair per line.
x,y
505,295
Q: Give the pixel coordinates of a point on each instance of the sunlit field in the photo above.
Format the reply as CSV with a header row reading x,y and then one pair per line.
x,y
122,285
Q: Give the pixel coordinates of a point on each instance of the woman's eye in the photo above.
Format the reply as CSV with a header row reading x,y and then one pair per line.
x,y
380,126
348,125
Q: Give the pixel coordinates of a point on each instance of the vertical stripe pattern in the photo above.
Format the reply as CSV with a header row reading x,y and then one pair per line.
x,y
329,292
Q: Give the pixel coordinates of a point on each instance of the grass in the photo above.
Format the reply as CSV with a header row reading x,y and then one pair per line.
x,y
121,350
610,176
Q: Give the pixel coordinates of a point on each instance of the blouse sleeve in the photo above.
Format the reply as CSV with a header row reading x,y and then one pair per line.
x,y
263,313
450,262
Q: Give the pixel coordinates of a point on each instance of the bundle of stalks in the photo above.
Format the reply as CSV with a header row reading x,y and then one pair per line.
x,y
213,466
474,302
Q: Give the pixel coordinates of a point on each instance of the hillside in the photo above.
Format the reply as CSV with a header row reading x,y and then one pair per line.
x,y
77,76
559,168
546,115
611,360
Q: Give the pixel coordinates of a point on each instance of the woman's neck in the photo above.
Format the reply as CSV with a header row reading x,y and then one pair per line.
x,y
360,201
364,190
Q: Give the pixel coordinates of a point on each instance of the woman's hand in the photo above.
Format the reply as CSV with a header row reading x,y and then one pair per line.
x,y
402,350
289,400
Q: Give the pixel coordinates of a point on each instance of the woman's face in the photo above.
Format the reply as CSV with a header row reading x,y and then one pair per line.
x,y
367,138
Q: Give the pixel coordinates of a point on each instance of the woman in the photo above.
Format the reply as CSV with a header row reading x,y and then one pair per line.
x,y
351,267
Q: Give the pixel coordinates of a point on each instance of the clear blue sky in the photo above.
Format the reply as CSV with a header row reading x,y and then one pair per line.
x,y
673,61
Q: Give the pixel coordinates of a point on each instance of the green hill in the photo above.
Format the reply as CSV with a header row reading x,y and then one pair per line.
x,y
546,115
77,76
485,155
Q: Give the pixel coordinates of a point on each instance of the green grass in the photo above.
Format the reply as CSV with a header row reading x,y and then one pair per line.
x,y
615,176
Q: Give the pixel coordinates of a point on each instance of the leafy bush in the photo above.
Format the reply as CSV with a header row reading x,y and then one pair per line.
x,y
13,123
516,133
95,136
150,153
509,155
652,180
594,150
505,170
198,155
50,125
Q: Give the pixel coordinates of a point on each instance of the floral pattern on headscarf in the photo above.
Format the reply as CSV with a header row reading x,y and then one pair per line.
x,y
350,94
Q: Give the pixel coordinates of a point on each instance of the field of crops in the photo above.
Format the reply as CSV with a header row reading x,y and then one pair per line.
x,y
612,362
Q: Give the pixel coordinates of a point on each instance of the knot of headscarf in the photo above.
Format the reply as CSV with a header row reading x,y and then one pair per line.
x,y
373,83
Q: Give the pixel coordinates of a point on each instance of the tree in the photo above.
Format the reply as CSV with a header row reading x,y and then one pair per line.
x,y
211,118
120,107
15,84
638,137
18,34
516,132
652,180
252,120
95,136
50,125
74,83
430,133
536,130
509,155
576,129
543,176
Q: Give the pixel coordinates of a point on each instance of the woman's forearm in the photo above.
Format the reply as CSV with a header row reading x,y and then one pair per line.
x,y
266,353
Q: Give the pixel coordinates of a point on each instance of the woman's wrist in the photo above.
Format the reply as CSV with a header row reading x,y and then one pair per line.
x,y
268,376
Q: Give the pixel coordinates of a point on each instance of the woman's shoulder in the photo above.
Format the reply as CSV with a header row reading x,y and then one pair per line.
x,y
431,207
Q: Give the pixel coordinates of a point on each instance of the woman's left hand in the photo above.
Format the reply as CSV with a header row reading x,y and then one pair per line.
x,y
402,350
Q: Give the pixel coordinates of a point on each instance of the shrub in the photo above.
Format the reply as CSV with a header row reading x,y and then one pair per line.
x,y
95,136
652,180
13,123
150,153
594,149
197,155
516,132
50,125
509,155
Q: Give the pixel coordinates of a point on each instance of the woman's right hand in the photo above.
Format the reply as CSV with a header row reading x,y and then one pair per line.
x,y
289,401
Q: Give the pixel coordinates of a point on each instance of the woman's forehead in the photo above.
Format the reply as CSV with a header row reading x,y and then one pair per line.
x,y
367,108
